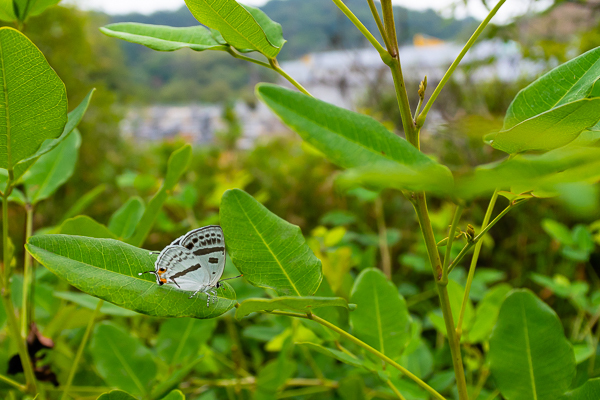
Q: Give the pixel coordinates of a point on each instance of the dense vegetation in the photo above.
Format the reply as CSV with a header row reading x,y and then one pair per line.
x,y
347,306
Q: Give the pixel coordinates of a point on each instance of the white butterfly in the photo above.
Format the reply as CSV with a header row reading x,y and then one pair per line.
x,y
194,262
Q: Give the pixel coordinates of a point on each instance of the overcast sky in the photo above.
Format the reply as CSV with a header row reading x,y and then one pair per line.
x,y
476,9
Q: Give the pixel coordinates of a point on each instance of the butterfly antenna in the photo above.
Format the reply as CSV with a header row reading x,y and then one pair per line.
x,y
147,272
233,277
154,252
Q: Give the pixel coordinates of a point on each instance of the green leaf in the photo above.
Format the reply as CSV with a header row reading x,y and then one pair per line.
x,y
532,172
272,377
381,317
176,166
85,226
33,99
530,358
109,269
333,353
52,170
73,119
588,391
352,140
549,130
174,395
486,313
557,231
352,387
564,84
455,294
123,222
116,395
235,23
301,304
84,202
7,11
271,28
91,303
31,8
268,250
180,339
164,38
121,359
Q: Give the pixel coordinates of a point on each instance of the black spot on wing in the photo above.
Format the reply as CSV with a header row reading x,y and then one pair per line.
x,y
213,260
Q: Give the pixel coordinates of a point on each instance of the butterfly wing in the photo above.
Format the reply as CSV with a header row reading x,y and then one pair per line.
x,y
178,266
207,244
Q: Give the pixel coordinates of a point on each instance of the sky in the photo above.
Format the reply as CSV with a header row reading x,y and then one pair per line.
x,y
475,8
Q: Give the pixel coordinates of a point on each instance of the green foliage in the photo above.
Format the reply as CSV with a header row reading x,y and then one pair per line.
x,y
238,26
116,395
381,318
301,304
529,354
588,391
269,251
109,269
123,222
33,98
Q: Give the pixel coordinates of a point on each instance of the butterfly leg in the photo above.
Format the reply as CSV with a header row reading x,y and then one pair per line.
x,y
214,293
195,293
208,299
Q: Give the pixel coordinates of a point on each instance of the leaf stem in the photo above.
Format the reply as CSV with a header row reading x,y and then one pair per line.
x,y
275,67
436,265
395,390
457,214
423,116
79,353
477,238
12,383
379,23
385,56
386,260
245,58
11,319
485,223
27,306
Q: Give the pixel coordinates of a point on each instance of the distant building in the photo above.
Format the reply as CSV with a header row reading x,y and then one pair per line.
x,y
338,77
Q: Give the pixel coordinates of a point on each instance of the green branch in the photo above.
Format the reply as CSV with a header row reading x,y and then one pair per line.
x,y
486,220
26,305
379,23
477,238
385,56
447,255
423,116
12,383
275,67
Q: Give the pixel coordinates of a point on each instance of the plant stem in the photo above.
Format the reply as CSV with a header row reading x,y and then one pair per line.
x,y
11,319
447,255
436,265
275,67
12,383
477,238
79,353
423,116
486,220
386,260
395,390
379,23
26,306
249,59
385,56
408,124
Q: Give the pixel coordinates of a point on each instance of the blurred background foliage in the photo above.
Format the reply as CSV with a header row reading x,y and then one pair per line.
x,y
544,245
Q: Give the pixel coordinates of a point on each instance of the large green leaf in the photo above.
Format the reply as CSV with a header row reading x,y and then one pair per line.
x,y
116,395
551,129
33,99
268,250
122,360
381,317
176,166
301,304
588,391
529,356
567,83
123,222
164,38
83,225
235,23
73,119
52,170
91,303
179,339
533,172
109,269
353,140
486,314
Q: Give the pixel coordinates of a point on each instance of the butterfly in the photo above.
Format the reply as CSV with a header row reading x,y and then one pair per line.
x,y
193,262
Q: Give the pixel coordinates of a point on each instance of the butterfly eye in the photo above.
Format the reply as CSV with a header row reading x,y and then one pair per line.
x,y
162,269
